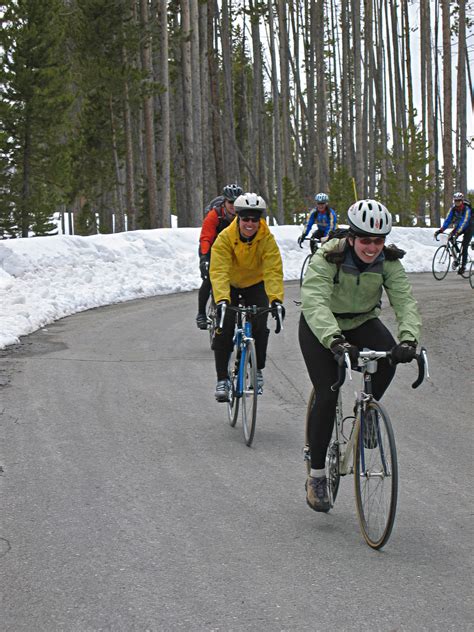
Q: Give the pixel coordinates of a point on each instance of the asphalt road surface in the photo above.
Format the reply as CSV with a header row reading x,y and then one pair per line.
x,y
129,504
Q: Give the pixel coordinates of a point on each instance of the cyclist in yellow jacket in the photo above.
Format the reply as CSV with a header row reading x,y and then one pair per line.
x,y
246,268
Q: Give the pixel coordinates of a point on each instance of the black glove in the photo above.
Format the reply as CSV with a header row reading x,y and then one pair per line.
x,y
437,232
300,241
405,351
219,310
276,315
204,266
340,347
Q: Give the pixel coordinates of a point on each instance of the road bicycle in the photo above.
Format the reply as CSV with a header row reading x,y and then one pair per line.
x,y
363,444
313,244
448,256
243,367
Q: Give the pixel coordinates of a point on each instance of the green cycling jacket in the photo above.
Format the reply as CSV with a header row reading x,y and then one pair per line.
x,y
337,297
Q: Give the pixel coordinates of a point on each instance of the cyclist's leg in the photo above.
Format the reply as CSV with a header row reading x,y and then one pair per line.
x,y
466,240
374,335
223,344
256,295
203,295
322,370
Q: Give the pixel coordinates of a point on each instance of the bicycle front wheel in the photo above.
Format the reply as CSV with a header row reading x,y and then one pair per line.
x,y
304,267
249,393
375,475
233,403
441,263
471,275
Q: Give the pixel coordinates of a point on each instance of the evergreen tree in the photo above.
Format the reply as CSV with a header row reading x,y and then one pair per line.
x,y
35,104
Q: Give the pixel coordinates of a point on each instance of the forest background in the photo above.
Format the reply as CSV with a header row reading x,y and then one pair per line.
x,y
117,114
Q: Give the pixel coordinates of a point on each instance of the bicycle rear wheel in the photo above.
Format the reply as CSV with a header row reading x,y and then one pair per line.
x,y
233,403
375,475
304,267
249,393
441,263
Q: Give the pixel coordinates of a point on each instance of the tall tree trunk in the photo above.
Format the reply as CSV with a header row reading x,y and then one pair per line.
x,y
189,144
276,120
119,210
217,144
285,90
359,154
164,151
148,115
321,103
197,197
461,126
230,157
447,107
209,170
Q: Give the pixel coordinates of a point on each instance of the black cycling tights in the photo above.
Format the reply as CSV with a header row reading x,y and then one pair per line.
x,y
322,370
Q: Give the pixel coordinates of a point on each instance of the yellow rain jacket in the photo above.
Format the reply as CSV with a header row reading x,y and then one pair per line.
x,y
241,264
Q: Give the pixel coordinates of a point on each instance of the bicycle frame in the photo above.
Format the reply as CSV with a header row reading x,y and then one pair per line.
x,y
243,333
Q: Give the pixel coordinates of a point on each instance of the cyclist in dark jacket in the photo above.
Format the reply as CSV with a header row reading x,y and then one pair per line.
x,y
341,302
460,215
219,217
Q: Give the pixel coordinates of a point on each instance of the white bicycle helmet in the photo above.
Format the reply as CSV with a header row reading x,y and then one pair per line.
x,y
321,198
250,203
369,217
458,196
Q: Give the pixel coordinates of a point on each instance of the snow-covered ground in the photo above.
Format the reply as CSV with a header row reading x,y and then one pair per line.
x,y
43,279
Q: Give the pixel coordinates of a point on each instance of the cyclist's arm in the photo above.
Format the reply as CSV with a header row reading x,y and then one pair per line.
x,y
448,220
310,223
272,270
464,221
332,220
219,271
401,298
208,232
316,294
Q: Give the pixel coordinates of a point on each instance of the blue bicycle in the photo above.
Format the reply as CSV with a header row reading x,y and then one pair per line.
x,y
243,368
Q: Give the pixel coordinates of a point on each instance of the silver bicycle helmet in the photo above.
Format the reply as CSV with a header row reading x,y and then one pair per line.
x,y
231,192
458,196
369,217
321,198
250,204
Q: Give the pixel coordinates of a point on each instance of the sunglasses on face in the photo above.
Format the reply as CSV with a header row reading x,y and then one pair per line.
x,y
378,241
254,220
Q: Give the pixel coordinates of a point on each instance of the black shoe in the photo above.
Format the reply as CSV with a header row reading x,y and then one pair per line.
x,y
369,436
462,270
201,321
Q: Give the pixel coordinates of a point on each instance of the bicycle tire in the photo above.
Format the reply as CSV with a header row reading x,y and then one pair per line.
x,y
441,263
233,372
249,393
471,275
304,267
376,488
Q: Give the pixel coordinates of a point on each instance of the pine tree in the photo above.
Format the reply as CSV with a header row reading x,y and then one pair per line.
x,y
36,101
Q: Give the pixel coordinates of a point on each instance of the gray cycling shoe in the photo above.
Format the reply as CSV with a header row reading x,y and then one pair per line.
x,y
317,493
222,390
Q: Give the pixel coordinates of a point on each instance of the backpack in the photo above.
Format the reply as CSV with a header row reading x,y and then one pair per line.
x,y
217,203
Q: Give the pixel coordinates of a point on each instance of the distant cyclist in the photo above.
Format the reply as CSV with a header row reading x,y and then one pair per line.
x,y
460,216
324,217
245,262
220,215
341,302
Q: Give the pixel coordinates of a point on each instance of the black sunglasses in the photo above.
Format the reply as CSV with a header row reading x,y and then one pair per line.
x,y
246,218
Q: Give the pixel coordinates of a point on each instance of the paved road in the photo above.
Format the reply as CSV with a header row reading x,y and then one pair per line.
x,y
129,504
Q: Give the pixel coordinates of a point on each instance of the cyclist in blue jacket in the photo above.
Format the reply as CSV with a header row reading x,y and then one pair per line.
x,y
460,215
323,216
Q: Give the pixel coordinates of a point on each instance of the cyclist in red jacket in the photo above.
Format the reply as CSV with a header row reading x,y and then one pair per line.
x,y
220,215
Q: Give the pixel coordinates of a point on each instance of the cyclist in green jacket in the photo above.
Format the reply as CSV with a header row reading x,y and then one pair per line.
x,y
341,301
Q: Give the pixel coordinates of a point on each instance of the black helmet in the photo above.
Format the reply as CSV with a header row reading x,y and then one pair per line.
x,y
231,192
